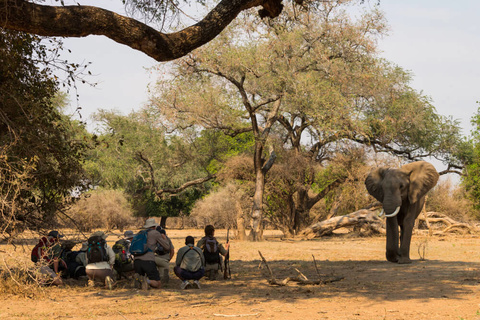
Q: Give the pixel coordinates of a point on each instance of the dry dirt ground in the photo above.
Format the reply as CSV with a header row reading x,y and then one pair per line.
x,y
446,285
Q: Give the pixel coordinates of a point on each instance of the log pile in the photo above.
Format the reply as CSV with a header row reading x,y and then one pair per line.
x,y
368,221
364,218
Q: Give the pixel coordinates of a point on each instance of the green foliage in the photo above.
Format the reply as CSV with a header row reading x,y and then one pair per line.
x,y
136,154
41,155
471,178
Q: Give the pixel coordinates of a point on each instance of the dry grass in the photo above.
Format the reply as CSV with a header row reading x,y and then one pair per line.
x,y
443,286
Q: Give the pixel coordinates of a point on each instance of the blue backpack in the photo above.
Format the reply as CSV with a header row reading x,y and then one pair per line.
x,y
138,246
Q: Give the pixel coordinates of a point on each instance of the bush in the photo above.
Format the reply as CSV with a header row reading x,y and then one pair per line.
x,y
105,209
449,199
220,208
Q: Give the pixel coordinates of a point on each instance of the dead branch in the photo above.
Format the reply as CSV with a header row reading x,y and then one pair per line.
x,y
303,280
450,224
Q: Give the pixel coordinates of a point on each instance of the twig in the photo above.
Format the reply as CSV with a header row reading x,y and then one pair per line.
x,y
235,315
315,263
122,315
266,264
303,276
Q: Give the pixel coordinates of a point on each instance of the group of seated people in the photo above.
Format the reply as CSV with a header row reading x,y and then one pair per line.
x,y
147,268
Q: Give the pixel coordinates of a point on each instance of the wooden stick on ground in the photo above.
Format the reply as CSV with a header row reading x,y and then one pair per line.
x,y
315,263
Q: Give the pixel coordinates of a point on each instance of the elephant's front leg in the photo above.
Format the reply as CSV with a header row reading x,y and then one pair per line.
x,y
407,230
392,253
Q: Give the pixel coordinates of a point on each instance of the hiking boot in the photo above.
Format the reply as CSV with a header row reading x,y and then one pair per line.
x,y
166,277
207,274
196,284
136,283
108,283
213,275
144,283
91,283
185,285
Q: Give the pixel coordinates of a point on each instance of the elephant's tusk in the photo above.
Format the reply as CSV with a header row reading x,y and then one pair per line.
x,y
381,213
393,214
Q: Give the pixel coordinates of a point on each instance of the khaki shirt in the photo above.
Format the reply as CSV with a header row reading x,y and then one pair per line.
x,y
153,237
190,258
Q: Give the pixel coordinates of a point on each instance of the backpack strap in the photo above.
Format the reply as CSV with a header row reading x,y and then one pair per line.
x,y
190,248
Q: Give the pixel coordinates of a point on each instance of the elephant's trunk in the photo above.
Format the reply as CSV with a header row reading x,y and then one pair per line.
x,y
391,214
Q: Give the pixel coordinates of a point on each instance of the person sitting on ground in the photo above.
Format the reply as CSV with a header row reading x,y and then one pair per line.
x,y
190,264
81,259
212,249
123,258
163,257
100,260
46,254
146,273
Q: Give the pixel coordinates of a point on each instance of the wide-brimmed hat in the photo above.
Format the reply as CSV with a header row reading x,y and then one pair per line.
x,y
84,246
99,234
150,223
55,234
129,234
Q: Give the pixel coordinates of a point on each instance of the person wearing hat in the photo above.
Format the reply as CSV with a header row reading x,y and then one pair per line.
x,y
47,254
81,257
146,273
100,259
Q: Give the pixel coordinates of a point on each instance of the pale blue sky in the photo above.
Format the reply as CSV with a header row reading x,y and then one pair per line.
x,y
437,40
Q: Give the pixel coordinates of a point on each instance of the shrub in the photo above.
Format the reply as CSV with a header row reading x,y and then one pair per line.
x,y
106,209
449,199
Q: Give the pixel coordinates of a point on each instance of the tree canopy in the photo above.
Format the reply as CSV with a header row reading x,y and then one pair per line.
x,y
41,149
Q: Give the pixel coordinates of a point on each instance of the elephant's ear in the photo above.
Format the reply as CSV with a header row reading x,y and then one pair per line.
x,y
423,177
373,183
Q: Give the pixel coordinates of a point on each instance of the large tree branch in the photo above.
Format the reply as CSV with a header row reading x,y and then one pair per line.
x,y
174,191
81,21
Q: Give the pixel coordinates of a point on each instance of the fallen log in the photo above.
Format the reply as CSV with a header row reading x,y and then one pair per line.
x,y
362,218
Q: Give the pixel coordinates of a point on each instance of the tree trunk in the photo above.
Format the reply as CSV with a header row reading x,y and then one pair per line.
x,y
257,208
163,222
241,235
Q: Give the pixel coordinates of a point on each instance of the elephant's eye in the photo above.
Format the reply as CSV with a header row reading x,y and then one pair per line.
x,y
402,186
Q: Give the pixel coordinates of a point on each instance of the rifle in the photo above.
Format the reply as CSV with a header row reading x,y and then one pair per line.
x,y
226,270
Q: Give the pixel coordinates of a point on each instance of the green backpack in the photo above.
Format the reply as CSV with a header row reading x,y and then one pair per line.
x,y
120,248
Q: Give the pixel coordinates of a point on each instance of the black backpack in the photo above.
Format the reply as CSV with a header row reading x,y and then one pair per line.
x,y
211,252
97,249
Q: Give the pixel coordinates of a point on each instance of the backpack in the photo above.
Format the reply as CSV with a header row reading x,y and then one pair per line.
x,y
211,251
39,251
121,252
159,250
138,246
97,249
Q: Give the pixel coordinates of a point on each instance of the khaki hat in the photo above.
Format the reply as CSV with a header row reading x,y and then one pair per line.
x,y
150,223
99,234
128,234
84,246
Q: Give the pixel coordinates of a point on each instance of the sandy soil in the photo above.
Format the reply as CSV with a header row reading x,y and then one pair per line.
x,y
443,286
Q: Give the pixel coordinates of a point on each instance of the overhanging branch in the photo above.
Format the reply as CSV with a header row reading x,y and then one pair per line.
x,y
81,21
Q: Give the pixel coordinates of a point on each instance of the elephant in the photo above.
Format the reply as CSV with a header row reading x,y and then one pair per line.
x,y
402,193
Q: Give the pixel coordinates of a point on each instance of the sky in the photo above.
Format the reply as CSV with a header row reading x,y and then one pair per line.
x,y
437,40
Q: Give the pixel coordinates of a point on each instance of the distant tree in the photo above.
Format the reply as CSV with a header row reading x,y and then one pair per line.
x,y
471,177
310,82
164,173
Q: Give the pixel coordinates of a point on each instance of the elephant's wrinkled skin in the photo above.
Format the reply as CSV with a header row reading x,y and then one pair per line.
x,y
405,188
